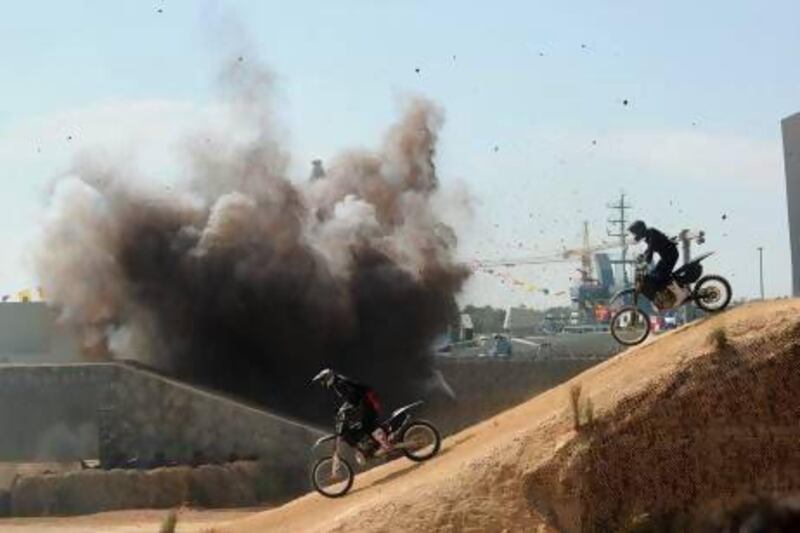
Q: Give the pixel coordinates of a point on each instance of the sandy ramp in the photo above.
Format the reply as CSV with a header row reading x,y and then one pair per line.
x,y
499,475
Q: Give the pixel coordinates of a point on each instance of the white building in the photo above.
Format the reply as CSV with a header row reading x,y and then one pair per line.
x,y
791,156
467,329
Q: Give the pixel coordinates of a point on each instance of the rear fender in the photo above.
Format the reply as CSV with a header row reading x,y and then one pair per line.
x,y
400,417
701,257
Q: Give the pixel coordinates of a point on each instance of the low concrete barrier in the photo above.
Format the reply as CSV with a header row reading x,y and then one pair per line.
x,y
241,484
129,417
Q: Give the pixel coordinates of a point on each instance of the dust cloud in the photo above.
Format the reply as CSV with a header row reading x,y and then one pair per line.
x,y
246,281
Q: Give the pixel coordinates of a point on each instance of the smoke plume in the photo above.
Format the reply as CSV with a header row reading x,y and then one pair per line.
x,y
245,281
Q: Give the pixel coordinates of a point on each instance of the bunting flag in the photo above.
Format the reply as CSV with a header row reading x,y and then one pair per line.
x,y
510,281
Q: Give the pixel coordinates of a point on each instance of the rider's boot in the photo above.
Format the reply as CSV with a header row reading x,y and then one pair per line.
x,y
681,293
386,447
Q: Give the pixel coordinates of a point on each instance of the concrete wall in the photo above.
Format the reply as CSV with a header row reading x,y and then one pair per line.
x,y
147,416
121,413
127,416
487,386
29,334
48,412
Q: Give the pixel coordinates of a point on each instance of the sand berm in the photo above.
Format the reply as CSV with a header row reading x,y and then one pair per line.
x,y
675,431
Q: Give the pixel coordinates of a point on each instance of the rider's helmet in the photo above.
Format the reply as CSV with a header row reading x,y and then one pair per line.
x,y
325,377
637,229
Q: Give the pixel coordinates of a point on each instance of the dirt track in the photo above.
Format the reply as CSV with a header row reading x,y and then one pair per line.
x,y
482,480
517,471
138,521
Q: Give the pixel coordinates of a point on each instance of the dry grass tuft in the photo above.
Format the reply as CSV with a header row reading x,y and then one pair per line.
x,y
575,402
718,338
582,412
170,522
588,410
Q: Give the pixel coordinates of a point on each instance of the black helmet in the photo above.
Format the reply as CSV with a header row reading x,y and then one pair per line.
x,y
325,377
637,229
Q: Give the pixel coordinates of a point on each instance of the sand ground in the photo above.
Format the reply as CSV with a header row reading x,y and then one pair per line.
x,y
478,483
138,521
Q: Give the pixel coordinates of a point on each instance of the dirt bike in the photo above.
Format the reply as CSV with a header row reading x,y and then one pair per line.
x,y
630,325
419,440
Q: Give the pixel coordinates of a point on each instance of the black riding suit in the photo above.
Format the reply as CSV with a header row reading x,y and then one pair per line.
x,y
358,411
668,255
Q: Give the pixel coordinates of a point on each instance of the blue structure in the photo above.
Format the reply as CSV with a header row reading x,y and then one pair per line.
x,y
605,271
590,293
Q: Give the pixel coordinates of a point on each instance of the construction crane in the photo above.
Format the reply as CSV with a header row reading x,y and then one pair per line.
x,y
565,256
586,251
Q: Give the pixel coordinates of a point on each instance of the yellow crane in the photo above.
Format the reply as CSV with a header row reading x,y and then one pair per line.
x,y
584,253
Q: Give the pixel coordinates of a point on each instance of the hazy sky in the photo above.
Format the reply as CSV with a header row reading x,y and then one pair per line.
x,y
537,128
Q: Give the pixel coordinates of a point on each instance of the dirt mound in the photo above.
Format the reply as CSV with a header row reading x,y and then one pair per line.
x,y
722,429
684,427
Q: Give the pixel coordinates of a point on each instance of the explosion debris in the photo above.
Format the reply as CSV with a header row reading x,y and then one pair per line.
x,y
245,281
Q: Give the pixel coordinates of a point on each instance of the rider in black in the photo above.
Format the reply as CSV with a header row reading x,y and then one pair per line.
x,y
359,406
667,250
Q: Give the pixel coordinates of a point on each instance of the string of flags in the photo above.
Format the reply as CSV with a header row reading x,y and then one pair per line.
x,y
515,283
25,295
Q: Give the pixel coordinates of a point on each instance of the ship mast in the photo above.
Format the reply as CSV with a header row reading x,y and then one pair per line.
x,y
621,225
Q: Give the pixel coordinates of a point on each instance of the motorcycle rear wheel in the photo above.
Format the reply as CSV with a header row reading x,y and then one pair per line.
x,y
427,441
630,326
330,486
712,293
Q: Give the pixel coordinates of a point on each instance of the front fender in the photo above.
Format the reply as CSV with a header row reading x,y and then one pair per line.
x,y
322,440
620,294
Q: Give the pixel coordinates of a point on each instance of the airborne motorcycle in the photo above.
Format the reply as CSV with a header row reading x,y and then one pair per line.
x,y
417,439
630,325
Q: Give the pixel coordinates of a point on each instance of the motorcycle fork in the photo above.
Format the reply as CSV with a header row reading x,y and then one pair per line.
x,y
394,434
635,306
336,462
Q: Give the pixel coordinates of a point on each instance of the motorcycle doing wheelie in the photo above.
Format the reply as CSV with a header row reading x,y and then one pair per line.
x,y
332,475
630,325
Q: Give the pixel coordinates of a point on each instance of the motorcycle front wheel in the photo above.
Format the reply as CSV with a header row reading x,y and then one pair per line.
x,y
330,483
630,326
712,293
421,440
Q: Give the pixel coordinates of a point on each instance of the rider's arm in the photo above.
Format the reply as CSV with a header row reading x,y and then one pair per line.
x,y
648,254
339,388
347,390
651,237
